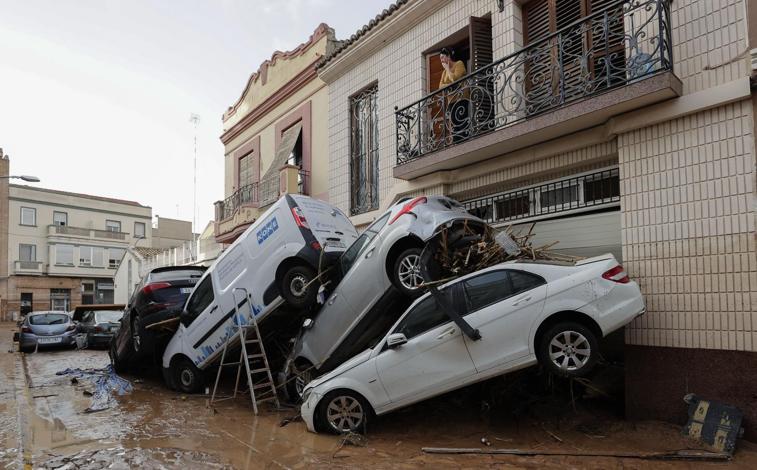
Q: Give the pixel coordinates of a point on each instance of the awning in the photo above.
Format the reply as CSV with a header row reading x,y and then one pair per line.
x,y
271,178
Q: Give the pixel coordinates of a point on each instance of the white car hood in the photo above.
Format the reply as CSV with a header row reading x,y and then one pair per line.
x,y
354,362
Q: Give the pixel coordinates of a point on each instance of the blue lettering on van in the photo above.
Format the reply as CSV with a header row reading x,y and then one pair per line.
x,y
267,230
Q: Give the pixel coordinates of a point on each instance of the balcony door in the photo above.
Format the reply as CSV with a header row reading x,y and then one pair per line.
x,y
569,55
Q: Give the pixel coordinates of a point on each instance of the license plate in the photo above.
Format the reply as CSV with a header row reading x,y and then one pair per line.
x,y
49,340
337,245
186,290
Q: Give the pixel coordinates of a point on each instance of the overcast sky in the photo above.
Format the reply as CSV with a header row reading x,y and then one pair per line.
x,y
95,95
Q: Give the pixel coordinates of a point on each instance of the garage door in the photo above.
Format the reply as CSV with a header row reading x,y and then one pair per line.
x,y
582,235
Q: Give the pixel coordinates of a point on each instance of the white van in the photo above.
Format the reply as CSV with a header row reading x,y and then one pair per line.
x,y
274,259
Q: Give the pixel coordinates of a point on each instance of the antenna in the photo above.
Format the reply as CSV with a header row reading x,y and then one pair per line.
x,y
195,120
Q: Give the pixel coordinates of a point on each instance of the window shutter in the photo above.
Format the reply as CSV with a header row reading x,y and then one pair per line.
x,y
572,45
480,37
537,20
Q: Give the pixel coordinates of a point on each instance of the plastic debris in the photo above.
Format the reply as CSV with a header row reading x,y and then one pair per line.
x,y
104,381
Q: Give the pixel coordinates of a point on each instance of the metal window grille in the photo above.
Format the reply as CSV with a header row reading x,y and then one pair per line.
x,y
364,151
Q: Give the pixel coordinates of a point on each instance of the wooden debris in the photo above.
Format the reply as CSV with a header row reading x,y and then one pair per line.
x,y
665,455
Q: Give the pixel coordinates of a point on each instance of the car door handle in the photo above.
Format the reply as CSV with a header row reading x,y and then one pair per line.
x,y
215,307
370,252
333,299
446,333
521,300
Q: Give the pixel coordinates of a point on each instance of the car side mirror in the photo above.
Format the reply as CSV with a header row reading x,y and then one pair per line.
x,y
307,324
395,340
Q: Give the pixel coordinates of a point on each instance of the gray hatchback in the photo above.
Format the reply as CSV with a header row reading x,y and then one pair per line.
x,y
45,329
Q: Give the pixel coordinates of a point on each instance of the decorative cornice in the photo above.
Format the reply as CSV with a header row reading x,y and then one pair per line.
x,y
292,86
321,31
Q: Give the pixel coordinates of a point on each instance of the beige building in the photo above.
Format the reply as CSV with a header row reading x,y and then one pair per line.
x,y
276,136
613,126
168,233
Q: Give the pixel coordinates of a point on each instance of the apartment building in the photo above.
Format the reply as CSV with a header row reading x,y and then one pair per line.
x,y
609,125
276,136
63,248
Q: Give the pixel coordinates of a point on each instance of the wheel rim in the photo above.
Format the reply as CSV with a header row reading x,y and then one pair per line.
x,y
300,381
297,285
186,376
135,336
344,413
569,350
409,272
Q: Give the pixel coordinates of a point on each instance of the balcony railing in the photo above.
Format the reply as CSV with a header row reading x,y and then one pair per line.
x,y
616,46
31,266
575,194
85,232
246,195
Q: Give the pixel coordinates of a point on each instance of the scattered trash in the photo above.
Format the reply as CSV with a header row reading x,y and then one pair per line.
x,y
671,455
552,435
291,419
485,441
105,381
715,424
350,438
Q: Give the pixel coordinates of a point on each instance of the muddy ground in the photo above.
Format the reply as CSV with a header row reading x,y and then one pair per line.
x,y
43,424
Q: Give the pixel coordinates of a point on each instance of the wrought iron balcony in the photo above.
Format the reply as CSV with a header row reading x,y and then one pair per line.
x,y
246,195
621,44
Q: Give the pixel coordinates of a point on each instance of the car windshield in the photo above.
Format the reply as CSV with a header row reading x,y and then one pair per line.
x,y
348,257
108,316
48,319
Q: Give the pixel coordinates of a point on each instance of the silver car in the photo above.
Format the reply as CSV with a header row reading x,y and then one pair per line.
x,y
46,329
378,277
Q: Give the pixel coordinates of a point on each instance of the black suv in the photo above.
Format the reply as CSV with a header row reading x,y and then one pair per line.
x,y
159,298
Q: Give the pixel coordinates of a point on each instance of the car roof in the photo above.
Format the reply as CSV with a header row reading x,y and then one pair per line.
x,y
177,268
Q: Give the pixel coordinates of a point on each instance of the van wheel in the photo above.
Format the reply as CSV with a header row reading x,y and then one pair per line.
x,y
406,273
569,349
187,378
296,288
343,411
297,379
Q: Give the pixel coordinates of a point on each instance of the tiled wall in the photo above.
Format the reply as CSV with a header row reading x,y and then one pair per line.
x,y
688,229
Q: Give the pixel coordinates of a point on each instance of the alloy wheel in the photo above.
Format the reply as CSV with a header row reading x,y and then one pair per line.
x,y
569,350
409,272
345,413
187,377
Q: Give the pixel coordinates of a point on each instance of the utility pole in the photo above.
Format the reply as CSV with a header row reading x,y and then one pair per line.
x,y
195,120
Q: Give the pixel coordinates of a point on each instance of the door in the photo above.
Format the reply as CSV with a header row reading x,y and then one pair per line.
x,y
199,321
433,360
502,305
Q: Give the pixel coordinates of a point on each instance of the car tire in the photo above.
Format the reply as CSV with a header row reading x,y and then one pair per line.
x,y
187,378
118,365
293,288
568,349
406,275
296,379
343,411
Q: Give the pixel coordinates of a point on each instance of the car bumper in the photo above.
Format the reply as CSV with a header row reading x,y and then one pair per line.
x,y
29,340
619,307
307,411
100,338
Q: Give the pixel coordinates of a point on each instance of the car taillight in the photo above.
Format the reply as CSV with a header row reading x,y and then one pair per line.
x,y
150,288
407,208
617,274
299,218
315,245
26,329
98,329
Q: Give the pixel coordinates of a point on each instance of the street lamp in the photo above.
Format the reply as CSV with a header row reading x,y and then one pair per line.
x,y
30,179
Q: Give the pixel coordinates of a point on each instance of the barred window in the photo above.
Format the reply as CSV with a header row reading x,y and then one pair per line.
x,y
364,155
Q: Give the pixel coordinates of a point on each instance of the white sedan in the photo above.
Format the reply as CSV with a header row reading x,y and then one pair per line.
x,y
526,312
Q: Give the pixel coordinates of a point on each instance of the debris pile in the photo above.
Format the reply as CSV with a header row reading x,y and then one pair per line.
x,y
105,381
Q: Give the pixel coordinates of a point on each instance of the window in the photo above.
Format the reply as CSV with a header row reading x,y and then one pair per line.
x,y
64,255
514,206
357,247
604,188
60,300
139,230
27,252
112,225
486,289
98,256
295,159
201,298
522,281
85,256
364,155
28,216
114,257
27,302
423,317
49,319
245,170
559,196
60,218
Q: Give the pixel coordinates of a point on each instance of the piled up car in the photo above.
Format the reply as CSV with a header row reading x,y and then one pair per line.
x,y
364,324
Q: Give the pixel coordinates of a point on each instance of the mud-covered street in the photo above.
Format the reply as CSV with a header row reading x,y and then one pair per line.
x,y
43,424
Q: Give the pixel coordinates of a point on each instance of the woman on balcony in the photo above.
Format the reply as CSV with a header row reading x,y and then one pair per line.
x,y
456,97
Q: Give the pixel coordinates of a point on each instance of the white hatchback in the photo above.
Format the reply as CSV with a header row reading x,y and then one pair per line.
x,y
526,312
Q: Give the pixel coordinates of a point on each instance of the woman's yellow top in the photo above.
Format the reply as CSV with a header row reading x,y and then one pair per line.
x,y
457,71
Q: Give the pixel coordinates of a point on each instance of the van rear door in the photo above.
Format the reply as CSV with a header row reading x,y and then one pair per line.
x,y
329,225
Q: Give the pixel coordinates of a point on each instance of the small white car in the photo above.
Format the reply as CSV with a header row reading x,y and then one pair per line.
x,y
526,312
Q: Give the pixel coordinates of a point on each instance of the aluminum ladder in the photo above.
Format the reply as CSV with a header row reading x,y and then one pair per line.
x,y
255,362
